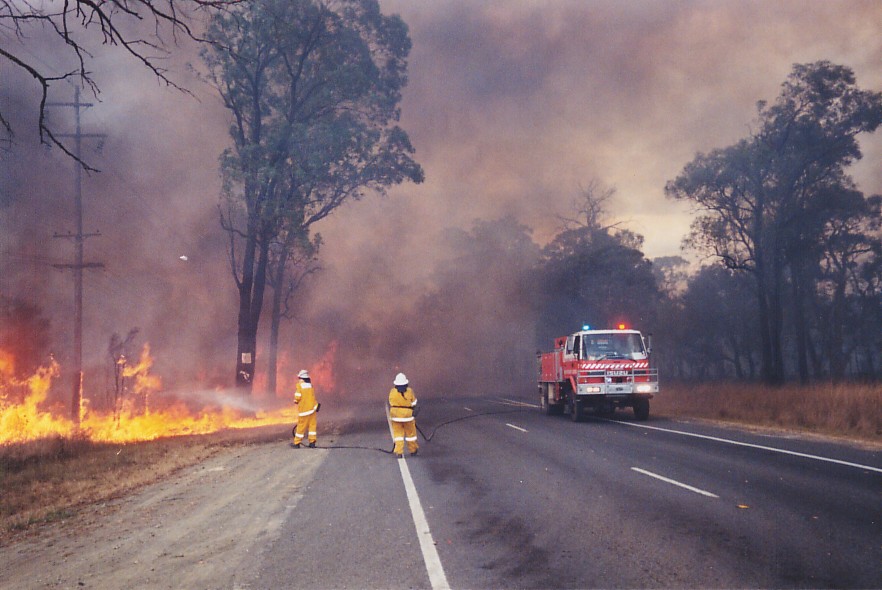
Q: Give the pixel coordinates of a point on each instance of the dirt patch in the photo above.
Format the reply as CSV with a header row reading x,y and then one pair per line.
x,y
53,479
200,529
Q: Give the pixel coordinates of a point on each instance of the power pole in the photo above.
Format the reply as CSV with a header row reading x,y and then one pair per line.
x,y
79,264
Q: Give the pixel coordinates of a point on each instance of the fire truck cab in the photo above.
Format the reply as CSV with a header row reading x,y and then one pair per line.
x,y
601,370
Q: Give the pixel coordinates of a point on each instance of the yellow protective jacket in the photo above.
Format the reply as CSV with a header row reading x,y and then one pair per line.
x,y
401,405
304,397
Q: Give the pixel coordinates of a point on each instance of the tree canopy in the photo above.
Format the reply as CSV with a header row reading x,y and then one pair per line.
x,y
313,89
770,202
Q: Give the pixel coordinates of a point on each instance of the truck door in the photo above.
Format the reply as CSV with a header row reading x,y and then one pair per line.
x,y
569,350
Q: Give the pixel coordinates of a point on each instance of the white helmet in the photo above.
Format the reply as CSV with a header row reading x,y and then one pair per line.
x,y
400,379
303,374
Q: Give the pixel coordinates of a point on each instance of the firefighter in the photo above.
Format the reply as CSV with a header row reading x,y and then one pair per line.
x,y
307,407
402,402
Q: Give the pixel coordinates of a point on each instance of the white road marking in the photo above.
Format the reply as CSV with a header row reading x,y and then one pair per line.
x,y
516,427
753,446
427,544
467,409
674,482
514,402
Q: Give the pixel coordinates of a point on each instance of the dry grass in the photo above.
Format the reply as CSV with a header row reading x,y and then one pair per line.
x,y
852,411
49,480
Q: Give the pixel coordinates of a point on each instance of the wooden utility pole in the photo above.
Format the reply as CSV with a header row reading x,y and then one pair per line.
x,y
79,263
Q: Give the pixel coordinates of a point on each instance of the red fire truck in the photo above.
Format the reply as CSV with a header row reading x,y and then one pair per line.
x,y
599,370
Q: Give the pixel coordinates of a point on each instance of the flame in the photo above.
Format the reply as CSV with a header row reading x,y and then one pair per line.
x,y
144,381
322,372
25,420
29,419
7,365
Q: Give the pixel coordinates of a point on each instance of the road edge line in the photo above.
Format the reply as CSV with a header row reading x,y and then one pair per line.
x,y
754,446
432,560
427,544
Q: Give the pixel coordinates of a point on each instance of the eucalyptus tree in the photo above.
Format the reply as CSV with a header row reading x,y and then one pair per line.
x,y
849,296
594,271
765,203
313,88
293,258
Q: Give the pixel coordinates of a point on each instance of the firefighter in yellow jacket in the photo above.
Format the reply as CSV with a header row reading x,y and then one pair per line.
x,y
402,401
307,407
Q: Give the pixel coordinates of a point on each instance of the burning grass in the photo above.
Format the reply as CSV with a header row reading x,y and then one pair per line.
x,y
50,464
847,410
26,415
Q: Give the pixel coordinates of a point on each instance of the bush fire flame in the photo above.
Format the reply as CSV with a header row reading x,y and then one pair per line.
x,y
26,413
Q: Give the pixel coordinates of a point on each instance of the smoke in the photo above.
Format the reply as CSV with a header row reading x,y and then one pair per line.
x,y
511,107
231,399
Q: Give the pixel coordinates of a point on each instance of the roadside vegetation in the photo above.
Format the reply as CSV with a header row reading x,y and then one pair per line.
x,y
845,410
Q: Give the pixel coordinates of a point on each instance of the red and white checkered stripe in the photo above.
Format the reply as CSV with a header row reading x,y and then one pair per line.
x,y
605,366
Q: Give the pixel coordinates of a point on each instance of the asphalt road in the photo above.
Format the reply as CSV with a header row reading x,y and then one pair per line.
x,y
501,496
514,498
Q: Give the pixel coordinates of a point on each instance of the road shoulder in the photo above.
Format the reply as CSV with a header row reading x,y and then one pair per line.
x,y
200,528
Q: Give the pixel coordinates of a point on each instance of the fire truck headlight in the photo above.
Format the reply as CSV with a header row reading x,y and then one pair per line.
x,y
644,388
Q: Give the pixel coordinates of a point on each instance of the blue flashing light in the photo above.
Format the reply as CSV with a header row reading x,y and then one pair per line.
x,y
586,327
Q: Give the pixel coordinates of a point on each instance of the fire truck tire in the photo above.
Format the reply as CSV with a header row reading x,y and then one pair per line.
x,y
577,411
641,409
548,408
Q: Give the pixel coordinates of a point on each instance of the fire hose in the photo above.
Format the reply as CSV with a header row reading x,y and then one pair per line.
x,y
431,435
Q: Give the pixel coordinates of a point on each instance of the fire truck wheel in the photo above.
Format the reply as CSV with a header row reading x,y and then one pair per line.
x,y
577,411
641,409
547,408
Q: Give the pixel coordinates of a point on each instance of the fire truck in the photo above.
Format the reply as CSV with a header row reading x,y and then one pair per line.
x,y
598,370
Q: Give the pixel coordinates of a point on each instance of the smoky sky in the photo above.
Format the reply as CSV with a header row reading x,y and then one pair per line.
x,y
512,107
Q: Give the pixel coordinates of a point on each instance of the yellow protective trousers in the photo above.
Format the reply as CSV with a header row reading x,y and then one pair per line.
x,y
306,426
404,431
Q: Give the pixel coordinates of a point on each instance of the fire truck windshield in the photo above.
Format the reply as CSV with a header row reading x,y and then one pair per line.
x,y
597,347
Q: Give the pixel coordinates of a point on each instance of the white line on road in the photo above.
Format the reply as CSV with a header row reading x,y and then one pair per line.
x,y
674,482
467,409
514,402
516,427
427,544
753,446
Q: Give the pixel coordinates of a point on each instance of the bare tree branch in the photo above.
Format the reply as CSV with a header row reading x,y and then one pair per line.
x,y
70,20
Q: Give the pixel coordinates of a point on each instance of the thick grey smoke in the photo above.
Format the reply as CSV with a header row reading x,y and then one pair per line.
x,y
512,106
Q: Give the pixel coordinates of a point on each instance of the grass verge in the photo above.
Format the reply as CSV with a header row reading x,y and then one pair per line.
x,y
848,411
